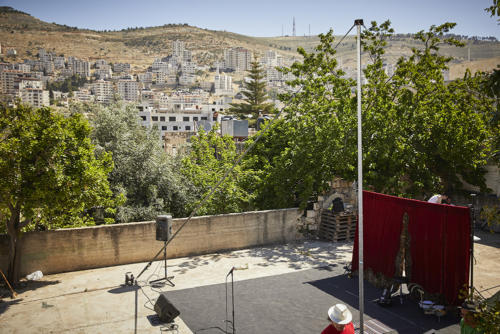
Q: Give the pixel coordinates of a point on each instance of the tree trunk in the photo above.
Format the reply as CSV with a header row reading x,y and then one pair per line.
x,y
14,249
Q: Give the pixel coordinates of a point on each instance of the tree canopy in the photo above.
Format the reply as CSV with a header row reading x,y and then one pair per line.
x,y
254,93
50,173
149,179
420,134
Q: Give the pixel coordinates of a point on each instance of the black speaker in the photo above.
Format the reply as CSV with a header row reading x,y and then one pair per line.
x,y
163,228
164,308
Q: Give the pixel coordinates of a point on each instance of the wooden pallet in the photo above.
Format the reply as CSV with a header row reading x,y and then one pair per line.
x,y
337,227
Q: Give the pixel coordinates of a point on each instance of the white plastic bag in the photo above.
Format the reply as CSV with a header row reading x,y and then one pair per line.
x,y
35,276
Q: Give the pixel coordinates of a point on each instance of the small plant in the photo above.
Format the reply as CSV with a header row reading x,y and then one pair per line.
x,y
491,215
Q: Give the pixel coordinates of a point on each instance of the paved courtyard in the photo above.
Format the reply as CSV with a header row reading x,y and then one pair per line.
x,y
96,301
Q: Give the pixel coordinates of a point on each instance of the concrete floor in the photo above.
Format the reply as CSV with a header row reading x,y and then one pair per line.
x,y
95,301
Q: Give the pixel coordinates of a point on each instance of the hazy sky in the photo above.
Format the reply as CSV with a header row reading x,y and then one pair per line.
x,y
265,18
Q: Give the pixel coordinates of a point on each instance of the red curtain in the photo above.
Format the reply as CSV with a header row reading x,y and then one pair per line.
x,y
439,242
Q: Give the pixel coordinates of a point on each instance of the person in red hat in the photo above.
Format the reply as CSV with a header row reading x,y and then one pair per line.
x,y
340,320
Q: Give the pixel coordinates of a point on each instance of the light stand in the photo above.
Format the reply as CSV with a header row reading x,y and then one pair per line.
x,y
166,278
232,300
471,248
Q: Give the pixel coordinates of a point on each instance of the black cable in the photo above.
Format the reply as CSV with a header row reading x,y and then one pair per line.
x,y
344,37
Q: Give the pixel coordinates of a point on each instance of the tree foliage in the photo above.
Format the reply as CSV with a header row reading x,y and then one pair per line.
x,y
420,133
208,160
148,178
254,92
50,173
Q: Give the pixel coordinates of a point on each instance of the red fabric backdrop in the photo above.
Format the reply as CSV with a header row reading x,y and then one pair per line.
x,y
439,242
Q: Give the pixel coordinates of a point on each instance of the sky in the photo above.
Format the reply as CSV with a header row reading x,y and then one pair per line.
x,y
266,18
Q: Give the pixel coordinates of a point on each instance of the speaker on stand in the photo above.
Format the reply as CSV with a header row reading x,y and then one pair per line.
x,y
163,233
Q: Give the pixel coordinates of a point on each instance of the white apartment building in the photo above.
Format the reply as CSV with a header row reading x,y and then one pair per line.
x,y
104,72
178,49
223,84
23,67
101,63
121,67
9,81
35,97
186,56
103,91
237,59
182,121
145,77
26,83
78,66
83,95
128,90
59,62
187,79
188,67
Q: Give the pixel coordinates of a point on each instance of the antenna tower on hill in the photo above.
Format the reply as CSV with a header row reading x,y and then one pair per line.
x,y
294,32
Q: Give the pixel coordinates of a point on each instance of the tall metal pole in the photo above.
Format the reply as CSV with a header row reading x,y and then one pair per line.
x,y
358,24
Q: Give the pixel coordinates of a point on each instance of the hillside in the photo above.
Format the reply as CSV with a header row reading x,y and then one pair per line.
x,y
140,46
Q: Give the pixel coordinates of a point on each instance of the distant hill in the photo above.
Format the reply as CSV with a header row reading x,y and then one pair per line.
x,y
140,46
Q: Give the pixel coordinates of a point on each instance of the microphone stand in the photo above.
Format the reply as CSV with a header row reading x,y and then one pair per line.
x,y
232,298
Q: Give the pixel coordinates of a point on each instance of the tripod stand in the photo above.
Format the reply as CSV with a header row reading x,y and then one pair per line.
x,y
166,278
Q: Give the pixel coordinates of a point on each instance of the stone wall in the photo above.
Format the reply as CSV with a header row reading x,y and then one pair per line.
x,y
309,224
108,245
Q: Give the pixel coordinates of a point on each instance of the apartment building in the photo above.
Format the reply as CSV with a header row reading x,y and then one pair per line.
x,y
78,66
103,91
23,67
237,59
59,62
121,67
178,49
83,95
187,120
128,90
9,81
188,67
187,79
223,84
35,97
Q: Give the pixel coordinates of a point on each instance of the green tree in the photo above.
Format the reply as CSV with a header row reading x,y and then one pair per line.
x,y
419,132
255,95
209,158
494,9
144,173
50,173
310,145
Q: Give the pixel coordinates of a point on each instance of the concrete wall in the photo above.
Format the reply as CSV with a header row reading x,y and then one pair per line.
x,y
108,245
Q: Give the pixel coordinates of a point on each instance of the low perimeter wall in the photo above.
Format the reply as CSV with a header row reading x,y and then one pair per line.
x,y
108,245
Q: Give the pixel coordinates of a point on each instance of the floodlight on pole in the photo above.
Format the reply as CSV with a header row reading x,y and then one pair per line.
x,y
358,23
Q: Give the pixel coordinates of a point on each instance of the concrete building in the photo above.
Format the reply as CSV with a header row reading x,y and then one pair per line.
x,y
178,49
128,90
188,67
223,84
59,62
187,120
83,95
103,91
237,59
35,97
121,68
9,81
78,66
187,79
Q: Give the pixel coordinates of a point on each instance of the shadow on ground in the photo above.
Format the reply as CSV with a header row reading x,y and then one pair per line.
x,y
404,318
296,256
488,238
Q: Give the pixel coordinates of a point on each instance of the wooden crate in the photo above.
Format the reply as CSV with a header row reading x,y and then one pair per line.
x,y
337,227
